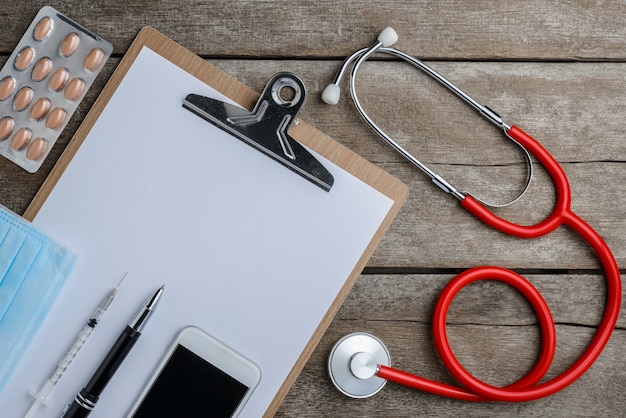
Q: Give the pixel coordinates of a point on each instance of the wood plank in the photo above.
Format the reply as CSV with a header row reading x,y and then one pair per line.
x,y
575,299
570,107
451,29
597,393
493,333
432,231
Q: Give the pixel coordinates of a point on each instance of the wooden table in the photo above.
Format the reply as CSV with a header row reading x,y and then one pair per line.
x,y
556,69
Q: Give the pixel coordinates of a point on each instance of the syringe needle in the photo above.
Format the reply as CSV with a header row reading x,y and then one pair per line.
x,y
78,343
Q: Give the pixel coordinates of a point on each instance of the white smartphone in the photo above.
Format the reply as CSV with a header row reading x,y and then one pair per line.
x,y
198,377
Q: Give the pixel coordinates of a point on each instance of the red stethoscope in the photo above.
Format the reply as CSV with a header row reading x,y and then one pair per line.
x,y
359,363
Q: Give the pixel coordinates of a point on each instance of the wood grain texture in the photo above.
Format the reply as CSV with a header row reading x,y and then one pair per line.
x,y
598,393
492,331
555,69
451,29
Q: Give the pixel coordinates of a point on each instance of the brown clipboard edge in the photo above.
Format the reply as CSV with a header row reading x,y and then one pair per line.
x,y
303,132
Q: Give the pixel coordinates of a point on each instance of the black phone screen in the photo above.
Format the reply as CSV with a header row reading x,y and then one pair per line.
x,y
189,386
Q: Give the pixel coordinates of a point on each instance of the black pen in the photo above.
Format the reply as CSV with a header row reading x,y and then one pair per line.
x,y
86,400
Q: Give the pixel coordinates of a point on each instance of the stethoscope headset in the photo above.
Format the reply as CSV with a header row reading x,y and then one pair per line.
x,y
359,363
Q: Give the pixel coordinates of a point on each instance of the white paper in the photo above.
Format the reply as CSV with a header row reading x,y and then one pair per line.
x,y
248,251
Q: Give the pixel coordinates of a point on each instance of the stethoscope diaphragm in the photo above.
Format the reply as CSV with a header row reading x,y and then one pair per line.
x,y
353,364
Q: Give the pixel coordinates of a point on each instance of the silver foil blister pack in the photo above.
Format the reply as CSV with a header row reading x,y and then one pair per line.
x,y
43,82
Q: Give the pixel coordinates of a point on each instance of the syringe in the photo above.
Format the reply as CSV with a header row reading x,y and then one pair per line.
x,y
78,343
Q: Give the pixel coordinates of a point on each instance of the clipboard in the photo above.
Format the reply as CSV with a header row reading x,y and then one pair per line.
x,y
355,169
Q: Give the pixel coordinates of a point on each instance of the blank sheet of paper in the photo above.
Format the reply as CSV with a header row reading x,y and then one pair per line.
x,y
249,251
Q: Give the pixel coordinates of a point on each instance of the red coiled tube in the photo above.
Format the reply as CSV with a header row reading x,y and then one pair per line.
x,y
527,388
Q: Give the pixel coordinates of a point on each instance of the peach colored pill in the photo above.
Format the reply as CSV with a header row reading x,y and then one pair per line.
x,y
42,69
36,149
58,79
21,139
93,59
69,45
6,127
23,98
24,58
40,109
7,85
74,89
43,29
56,118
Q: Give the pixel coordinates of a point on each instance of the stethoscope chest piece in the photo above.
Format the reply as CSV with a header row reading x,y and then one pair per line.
x,y
353,364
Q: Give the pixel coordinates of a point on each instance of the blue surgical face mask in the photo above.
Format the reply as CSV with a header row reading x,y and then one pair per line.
x,y
33,268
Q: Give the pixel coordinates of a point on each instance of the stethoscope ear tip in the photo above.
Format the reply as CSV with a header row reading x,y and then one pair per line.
x,y
331,94
388,37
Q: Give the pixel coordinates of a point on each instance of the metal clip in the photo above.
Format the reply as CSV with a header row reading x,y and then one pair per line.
x,y
265,128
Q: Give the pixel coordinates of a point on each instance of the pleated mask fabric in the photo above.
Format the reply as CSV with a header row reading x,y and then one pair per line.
x,y
33,269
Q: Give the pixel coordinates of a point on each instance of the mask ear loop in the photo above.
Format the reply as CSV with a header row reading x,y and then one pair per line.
x,y
362,55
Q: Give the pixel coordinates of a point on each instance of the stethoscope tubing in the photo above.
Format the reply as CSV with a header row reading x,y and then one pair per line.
x,y
525,389
528,387
561,205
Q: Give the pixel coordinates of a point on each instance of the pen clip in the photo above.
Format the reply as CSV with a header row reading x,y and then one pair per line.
x,y
265,128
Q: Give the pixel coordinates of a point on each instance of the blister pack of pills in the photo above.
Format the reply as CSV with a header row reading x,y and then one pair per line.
x,y
42,84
